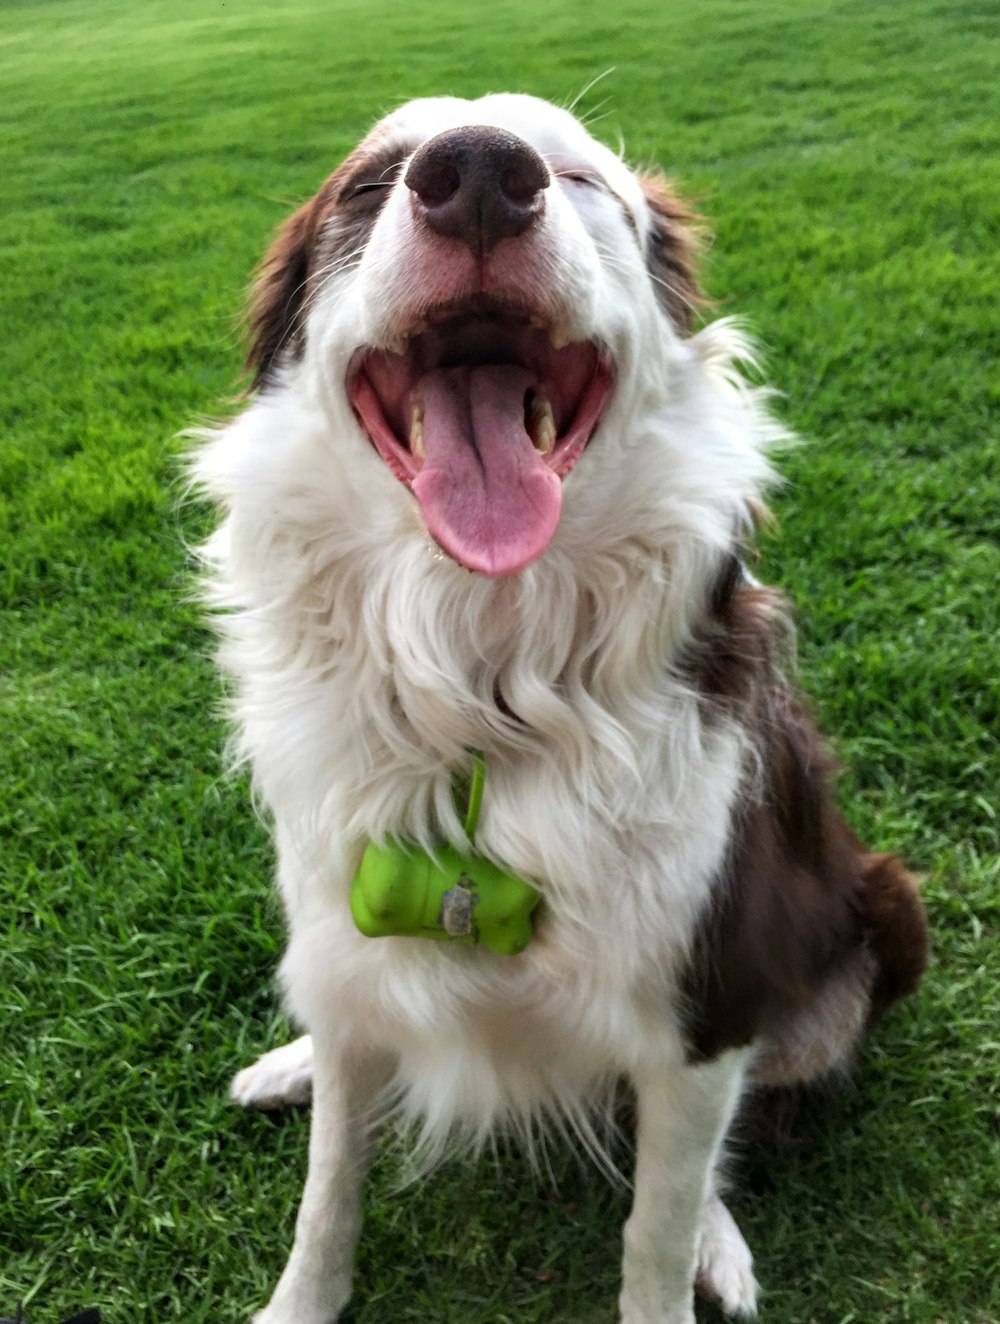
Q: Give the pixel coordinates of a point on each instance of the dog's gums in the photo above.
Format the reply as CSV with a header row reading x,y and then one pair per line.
x,y
482,411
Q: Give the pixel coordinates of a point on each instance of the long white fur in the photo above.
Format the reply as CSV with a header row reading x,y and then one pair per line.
x,y
365,665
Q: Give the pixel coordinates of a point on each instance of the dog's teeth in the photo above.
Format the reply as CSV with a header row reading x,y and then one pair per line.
x,y
398,344
542,424
417,430
559,338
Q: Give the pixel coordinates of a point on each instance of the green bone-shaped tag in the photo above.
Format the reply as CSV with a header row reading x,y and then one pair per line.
x,y
402,890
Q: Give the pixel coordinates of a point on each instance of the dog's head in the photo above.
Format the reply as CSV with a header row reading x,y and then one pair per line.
x,y
477,282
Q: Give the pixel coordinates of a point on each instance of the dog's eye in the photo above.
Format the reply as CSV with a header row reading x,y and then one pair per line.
x,y
365,196
371,190
585,177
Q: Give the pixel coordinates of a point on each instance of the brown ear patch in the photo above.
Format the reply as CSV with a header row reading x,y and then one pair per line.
x,y
322,237
671,252
279,293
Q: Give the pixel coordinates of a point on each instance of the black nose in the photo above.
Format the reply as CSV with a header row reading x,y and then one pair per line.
x,y
478,184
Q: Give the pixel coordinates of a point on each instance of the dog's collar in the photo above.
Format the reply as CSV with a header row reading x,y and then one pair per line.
x,y
401,890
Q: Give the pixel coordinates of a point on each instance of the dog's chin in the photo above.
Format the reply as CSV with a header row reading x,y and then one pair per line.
x,y
482,411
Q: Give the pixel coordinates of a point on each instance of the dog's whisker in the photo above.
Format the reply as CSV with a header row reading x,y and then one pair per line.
x,y
675,291
588,87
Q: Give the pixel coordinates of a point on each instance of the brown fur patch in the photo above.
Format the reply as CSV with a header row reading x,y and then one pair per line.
x,y
744,640
672,251
807,934
279,294
896,928
328,229
787,908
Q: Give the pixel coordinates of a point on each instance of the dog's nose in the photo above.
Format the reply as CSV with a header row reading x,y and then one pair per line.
x,y
478,184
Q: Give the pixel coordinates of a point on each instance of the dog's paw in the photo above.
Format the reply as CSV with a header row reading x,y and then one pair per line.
x,y
279,1079
725,1265
312,1301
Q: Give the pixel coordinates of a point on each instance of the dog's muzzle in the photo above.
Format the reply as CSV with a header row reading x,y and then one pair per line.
x,y
480,402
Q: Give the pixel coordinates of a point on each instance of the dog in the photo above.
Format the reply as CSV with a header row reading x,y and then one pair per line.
x,y
489,503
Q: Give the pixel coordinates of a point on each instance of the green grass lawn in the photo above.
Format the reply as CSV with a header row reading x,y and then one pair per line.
x,y
847,155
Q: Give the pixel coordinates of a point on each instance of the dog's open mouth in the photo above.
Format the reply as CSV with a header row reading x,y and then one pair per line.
x,y
482,410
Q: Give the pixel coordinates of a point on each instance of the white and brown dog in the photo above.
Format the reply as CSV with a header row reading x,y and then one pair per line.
x,y
491,493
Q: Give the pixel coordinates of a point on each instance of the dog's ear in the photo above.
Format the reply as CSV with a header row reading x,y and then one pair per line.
x,y
671,252
278,298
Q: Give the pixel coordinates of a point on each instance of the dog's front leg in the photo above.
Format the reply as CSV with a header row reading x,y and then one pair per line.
x,y
316,1283
684,1112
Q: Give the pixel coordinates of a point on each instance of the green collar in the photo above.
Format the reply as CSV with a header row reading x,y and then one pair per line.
x,y
400,890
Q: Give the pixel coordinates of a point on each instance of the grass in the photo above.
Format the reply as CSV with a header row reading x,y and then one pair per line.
x,y
847,155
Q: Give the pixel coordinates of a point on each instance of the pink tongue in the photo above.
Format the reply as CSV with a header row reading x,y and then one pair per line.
x,y
487,496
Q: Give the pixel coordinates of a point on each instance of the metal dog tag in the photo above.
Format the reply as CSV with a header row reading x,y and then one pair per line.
x,y
457,907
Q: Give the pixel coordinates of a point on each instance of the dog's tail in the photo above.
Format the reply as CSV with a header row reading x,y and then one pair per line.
x,y
896,926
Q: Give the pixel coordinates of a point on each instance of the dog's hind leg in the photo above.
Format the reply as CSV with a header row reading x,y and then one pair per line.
x,y
684,1112
316,1283
279,1079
